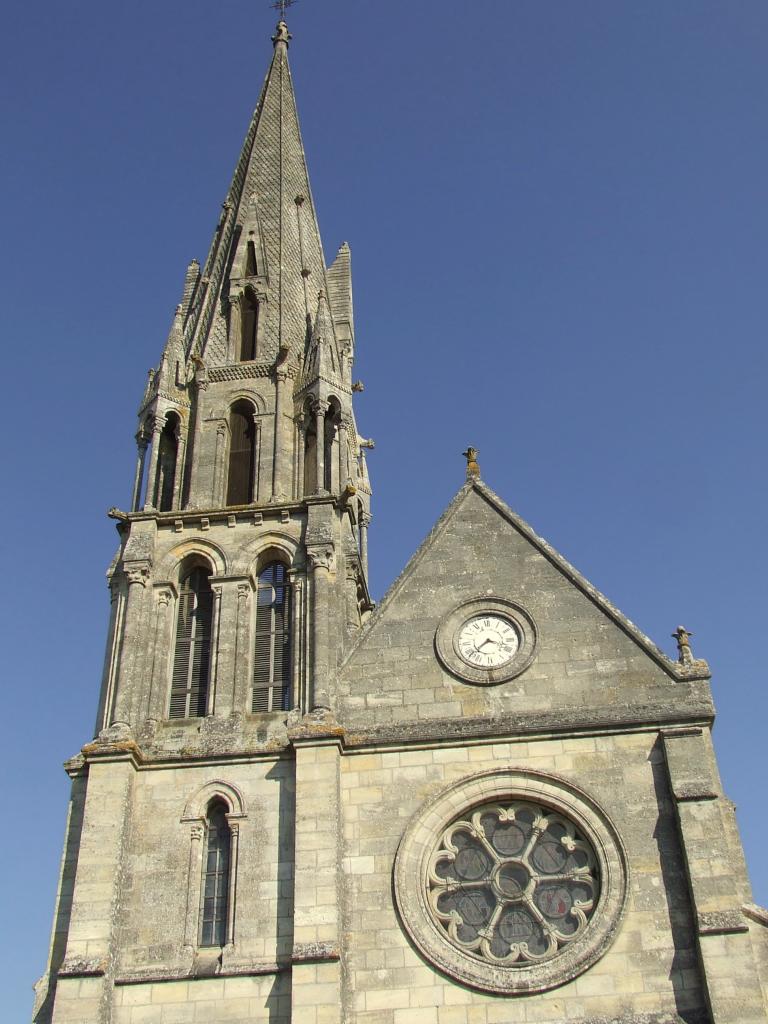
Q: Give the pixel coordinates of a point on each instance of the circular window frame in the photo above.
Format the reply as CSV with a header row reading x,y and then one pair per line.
x,y
460,798
447,636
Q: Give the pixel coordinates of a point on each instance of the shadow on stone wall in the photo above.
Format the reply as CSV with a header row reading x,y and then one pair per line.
x,y
689,999
45,989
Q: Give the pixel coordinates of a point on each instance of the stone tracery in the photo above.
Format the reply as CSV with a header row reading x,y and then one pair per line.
x,y
512,883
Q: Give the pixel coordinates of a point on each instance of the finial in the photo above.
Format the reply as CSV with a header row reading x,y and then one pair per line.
x,y
473,470
684,652
282,35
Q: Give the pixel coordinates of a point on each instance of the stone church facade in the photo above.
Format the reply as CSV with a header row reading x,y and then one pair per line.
x,y
489,799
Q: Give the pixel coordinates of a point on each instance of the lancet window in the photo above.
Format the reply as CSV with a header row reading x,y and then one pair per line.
x,y
192,652
331,426
250,327
242,454
310,453
251,266
214,892
167,457
272,650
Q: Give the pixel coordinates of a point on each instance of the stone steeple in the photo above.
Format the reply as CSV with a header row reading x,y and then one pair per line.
x,y
252,328
267,241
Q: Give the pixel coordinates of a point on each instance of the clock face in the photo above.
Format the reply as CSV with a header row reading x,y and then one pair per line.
x,y
488,641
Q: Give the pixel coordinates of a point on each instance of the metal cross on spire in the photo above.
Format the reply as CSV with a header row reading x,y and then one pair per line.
x,y
282,6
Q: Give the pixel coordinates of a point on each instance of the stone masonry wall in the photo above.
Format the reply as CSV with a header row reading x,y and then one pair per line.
x,y
651,966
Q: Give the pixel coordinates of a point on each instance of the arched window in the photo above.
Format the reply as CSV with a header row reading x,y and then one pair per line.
x,y
214,895
192,654
242,441
272,651
166,465
249,338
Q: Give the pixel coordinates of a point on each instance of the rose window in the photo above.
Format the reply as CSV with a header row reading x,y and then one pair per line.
x,y
512,883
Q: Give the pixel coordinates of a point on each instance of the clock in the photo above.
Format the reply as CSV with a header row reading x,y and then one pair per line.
x,y
487,640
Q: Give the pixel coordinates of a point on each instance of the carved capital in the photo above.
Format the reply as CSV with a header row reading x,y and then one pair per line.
x,y
295,578
322,557
234,828
319,407
365,519
137,572
196,833
243,591
164,597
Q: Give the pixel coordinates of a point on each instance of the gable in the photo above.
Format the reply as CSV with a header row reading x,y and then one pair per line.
x,y
588,662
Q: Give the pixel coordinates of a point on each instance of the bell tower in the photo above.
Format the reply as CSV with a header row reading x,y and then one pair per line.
x,y
246,442
239,582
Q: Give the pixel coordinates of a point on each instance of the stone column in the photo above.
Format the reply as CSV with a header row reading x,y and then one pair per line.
x,y
195,873
109,674
298,489
218,463
279,468
256,456
235,325
157,429
178,473
234,843
319,409
717,878
214,664
137,574
322,562
141,443
344,473
316,975
158,687
241,682
296,583
365,520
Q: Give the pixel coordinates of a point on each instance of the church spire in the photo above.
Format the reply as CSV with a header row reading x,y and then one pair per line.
x,y
266,246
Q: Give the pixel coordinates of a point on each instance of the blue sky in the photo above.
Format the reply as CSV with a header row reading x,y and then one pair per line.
x,y
559,228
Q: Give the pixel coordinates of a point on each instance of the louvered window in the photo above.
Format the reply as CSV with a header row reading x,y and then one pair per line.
x,y
241,455
214,899
192,655
250,330
272,654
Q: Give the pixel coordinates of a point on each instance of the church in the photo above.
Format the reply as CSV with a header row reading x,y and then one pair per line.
x,y
489,799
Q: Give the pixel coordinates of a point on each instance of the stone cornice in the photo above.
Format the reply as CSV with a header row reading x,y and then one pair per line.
x,y
190,516
440,733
